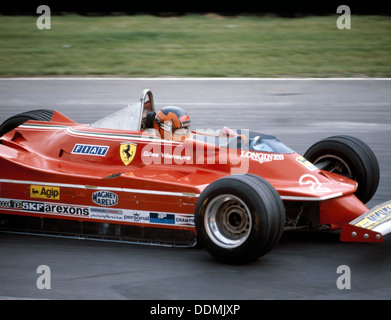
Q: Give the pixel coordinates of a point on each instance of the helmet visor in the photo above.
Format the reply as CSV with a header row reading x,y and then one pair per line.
x,y
181,134
182,131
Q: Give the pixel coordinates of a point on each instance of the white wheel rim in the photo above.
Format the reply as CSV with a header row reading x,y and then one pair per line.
x,y
228,221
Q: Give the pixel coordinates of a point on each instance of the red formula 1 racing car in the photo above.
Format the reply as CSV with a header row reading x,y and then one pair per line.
x,y
233,191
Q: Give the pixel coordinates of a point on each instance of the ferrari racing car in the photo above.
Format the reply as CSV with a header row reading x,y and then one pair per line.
x,y
233,191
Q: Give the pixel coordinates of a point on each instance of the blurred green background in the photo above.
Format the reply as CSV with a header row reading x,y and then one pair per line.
x,y
196,46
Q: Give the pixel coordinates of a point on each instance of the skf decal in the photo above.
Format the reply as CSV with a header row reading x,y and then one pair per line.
x,y
127,152
105,198
45,192
88,149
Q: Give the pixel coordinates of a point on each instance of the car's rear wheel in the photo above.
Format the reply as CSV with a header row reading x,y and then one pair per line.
x,y
239,218
17,120
349,157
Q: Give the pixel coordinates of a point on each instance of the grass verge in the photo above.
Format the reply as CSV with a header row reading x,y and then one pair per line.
x,y
195,46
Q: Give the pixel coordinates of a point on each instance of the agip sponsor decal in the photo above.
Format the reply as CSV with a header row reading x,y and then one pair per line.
x,y
45,192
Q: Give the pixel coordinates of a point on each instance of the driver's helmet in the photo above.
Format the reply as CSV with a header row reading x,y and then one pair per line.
x,y
173,123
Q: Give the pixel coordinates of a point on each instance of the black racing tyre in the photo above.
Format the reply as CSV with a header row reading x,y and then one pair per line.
x,y
349,157
17,120
239,218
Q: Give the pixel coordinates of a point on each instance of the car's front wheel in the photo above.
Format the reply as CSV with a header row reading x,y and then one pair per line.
x,y
349,157
239,218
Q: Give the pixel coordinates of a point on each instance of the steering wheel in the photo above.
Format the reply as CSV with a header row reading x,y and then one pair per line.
x,y
238,142
254,142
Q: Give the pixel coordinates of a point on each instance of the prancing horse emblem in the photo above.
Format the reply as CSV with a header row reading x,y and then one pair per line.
x,y
127,152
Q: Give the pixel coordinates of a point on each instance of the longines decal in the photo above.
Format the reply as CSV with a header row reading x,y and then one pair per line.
x,y
261,157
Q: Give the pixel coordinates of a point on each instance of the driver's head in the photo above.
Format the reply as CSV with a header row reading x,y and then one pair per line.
x,y
173,123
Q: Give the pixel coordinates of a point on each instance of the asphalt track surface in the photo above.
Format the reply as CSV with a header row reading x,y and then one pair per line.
x,y
302,266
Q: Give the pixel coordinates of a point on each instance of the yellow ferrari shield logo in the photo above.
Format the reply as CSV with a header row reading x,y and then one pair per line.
x,y
127,152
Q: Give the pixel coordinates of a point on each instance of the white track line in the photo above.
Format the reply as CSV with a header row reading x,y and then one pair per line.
x,y
191,79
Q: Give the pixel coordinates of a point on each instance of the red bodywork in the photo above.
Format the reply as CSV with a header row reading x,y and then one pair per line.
x,y
120,184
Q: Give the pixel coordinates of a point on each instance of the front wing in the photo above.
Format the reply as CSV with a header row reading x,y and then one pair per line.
x,y
371,226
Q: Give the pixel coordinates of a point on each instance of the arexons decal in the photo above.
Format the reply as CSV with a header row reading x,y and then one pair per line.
x,y
105,198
